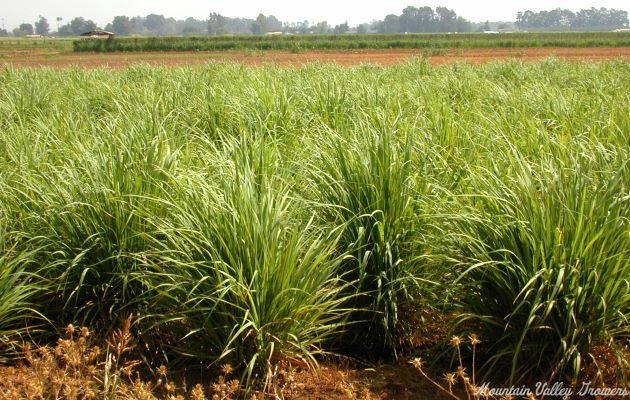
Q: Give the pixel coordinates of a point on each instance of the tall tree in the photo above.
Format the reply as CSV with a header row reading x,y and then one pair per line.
x,y
78,26
322,27
391,24
592,18
42,27
426,19
341,29
23,30
409,20
303,27
259,26
137,24
446,19
192,26
121,25
169,27
217,24
463,25
273,24
154,22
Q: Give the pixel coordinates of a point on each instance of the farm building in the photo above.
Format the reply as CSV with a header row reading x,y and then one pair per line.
x,y
98,34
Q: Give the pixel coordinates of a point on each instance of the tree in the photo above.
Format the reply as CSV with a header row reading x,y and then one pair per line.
x,y
23,30
362,29
121,25
560,19
273,24
341,29
217,24
409,20
602,18
154,22
322,28
42,27
565,18
446,20
391,24
260,25
169,27
65,30
303,27
78,26
463,25
137,24
240,25
192,26
426,19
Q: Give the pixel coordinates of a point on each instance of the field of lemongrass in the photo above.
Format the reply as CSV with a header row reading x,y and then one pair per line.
x,y
261,216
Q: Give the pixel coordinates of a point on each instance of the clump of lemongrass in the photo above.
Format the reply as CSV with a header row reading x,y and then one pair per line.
x,y
546,251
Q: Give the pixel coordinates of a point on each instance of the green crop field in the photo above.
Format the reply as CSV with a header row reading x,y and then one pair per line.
x,y
253,215
35,44
353,42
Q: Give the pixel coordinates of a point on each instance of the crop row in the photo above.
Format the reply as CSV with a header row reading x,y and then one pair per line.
x,y
254,214
352,42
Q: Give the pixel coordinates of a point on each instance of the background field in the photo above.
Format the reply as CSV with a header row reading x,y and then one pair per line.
x,y
299,50
355,42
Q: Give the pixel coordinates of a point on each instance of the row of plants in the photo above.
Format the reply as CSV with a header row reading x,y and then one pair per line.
x,y
355,42
257,215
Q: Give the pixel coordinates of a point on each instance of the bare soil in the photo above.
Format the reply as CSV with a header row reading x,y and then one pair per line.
x,y
45,58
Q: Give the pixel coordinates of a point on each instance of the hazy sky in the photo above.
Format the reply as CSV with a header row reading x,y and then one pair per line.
x,y
13,13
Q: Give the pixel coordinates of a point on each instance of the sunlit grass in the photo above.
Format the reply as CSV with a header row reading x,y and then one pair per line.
x,y
241,213
546,252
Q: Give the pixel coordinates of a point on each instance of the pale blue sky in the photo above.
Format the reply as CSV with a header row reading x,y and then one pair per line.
x,y
13,13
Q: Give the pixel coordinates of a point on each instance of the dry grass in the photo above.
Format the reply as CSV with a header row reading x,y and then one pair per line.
x,y
77,368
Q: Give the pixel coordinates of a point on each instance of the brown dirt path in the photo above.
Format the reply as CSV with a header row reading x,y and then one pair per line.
x,y
284,58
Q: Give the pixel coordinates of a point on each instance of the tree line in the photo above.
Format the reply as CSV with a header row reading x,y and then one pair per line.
x,y
562,19
412,19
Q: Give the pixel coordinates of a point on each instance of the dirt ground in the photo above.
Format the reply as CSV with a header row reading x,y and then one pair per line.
x,y
44,58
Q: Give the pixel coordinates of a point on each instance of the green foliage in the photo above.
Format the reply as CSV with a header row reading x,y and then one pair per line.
x,y
93,217
548,273
240,213
246,280
366,184
20,289
340,42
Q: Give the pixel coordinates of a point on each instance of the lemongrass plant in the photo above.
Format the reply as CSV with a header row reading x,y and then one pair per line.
x,y
365,182
20,291
546,251
133,184
91,215
240,278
